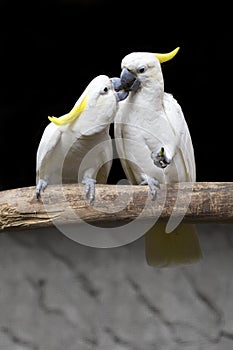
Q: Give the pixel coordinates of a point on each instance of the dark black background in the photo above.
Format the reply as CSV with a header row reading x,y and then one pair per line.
x,y
51,50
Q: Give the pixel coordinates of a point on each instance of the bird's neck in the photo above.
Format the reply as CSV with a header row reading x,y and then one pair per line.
x,y
153,93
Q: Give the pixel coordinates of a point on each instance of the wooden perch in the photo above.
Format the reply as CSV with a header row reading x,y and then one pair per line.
x,y
200,202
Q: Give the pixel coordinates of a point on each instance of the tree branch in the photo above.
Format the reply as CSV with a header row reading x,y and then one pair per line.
x,y
199,202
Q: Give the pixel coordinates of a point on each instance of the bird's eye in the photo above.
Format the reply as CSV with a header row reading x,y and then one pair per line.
x,y
141,69
104,90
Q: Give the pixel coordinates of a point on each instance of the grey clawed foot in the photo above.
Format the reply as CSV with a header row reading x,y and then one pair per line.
x,y
153,185
90,188
160,158
41,186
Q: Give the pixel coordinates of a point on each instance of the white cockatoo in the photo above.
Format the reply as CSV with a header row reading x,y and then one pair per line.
x,y
67,140
154,144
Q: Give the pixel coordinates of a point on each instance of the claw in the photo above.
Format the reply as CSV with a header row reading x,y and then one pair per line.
x,y
152,183
90,188
41,186
160,158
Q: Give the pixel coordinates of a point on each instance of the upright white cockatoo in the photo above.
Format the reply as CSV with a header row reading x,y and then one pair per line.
x,y
154,144
68,139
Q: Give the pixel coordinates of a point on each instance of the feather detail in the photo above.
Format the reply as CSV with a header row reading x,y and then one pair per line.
x,y
72,115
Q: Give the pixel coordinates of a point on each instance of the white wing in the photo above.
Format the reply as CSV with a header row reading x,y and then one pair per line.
x,y
50,138
184,157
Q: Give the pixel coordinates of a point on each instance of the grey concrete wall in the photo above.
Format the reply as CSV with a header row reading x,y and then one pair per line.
x,y
56,294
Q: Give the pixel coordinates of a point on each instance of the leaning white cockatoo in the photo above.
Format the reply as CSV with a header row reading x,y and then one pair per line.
x,y
68,139
154,144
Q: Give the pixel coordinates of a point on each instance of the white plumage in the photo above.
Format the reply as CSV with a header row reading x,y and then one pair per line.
x,y
68,139
154,144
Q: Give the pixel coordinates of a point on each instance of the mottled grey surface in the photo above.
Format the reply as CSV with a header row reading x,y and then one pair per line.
x,y
56,294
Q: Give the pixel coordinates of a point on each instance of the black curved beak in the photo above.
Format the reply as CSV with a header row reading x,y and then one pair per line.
x,y
129,81
121,93
116,82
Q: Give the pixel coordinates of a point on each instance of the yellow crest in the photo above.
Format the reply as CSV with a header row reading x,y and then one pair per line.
x,y
163,57
72,115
